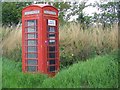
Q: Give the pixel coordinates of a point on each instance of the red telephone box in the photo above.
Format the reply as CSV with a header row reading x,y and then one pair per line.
x,y
40,39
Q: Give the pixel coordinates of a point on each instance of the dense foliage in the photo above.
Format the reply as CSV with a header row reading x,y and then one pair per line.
x,y
11,12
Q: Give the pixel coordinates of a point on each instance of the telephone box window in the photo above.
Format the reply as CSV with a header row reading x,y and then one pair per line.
x,y
51,41
51,55
32,49
31,55
51,36
32,62
51,61
32,68
31,29
32,42
31,22
51,29
32,36
51,68
51,48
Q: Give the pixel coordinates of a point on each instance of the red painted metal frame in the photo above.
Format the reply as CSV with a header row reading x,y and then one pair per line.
x,y
42,50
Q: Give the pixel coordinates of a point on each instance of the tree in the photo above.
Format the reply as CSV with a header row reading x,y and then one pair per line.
x,y
11,12
77,9
108,13
62,7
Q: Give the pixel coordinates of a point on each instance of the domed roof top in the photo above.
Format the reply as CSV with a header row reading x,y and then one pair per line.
x,y
41,5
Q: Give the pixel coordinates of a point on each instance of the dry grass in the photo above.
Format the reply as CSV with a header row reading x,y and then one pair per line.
x,y
73,39
11,39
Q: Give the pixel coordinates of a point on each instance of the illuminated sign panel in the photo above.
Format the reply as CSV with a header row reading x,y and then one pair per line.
x,y
32,12
50,12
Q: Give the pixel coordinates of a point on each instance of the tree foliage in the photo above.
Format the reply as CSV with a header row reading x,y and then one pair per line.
x,y
62,7
107,15
11,12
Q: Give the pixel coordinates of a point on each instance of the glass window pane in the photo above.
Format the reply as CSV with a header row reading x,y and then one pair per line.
x,y
52,36
32,62
32,42
31,55
32,36
32,68
51,48
31,22
51,55
31,29
51,29
51,61
31,26
51,42
51,68
32,49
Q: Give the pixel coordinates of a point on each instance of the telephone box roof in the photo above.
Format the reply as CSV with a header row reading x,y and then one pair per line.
x,y
41,6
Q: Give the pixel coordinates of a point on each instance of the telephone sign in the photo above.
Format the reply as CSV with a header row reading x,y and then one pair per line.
x,y
51,22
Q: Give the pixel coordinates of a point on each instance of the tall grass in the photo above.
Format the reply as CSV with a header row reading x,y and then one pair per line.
x,y
11,42
11,38
75,39
77,43
74,42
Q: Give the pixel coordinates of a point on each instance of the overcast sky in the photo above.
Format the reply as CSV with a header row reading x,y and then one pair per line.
x,y
88,10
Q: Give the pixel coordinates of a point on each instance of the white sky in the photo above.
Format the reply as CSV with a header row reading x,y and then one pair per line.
x,y
91,10
88,10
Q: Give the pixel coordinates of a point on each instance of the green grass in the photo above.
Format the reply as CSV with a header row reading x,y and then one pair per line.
x,y
13,76
99,72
